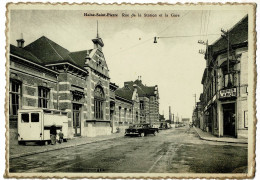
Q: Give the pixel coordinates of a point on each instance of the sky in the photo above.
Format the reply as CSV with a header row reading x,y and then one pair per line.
x,y
173,63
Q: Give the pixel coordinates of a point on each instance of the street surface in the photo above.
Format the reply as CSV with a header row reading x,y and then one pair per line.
x,y
171,151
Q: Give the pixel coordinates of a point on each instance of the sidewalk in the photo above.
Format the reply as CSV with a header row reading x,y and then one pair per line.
x,y
16,150
209,137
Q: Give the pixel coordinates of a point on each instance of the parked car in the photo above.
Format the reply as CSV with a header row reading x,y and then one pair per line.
x,y
165,125
141,130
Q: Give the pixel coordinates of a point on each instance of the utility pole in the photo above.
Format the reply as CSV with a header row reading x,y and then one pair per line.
x,y
170,114
225,35
194,95
205,52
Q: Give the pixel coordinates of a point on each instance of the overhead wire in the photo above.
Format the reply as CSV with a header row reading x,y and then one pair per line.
x,y
149,39
195,35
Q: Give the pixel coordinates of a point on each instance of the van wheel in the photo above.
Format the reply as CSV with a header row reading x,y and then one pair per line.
x,y
155,133
46,143
142,134
21,142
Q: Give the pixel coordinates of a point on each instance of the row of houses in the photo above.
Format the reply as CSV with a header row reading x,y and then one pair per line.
x,y
223,107
44,74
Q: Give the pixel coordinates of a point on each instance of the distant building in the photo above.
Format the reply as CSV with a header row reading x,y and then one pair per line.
x,y
186,121
146,98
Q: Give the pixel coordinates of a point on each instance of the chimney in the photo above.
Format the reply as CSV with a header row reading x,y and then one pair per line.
x,y
87,58
170,113
20,42
135,87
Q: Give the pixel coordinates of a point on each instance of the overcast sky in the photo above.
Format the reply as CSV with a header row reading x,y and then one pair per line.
x,y
173,64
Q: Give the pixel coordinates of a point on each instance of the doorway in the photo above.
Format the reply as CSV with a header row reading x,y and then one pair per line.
x,y
77,119
229,119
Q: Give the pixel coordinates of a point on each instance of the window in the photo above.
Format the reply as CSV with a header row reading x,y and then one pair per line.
x,y
130,113
142,105
44,97
125,113
25,118
15,95
35,117
226,80
98,102
119,113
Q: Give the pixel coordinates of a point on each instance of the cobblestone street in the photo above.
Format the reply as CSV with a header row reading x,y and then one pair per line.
x,y
171,151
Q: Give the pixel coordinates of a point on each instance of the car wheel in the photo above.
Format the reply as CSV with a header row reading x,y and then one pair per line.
x,y
142,134
155,133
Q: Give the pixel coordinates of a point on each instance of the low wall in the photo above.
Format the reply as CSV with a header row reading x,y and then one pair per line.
x,y
94,128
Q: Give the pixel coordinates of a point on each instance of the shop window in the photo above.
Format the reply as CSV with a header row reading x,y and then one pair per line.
x,y
43,97
15,96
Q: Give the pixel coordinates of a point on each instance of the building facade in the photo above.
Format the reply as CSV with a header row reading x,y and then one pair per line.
x,y
148,100
44,74
224,98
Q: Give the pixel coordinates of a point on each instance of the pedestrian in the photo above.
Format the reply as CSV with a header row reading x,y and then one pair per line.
x,y
60,136
53,133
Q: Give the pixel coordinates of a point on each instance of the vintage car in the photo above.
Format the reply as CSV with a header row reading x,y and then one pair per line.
x,y
141,130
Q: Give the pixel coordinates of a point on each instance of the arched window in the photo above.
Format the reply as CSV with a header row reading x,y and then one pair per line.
x,y
99,98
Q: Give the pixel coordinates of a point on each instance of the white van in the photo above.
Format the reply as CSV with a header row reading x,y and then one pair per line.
x,y
34,124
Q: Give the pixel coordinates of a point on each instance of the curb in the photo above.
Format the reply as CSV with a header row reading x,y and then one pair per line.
x,y
57,148
218,140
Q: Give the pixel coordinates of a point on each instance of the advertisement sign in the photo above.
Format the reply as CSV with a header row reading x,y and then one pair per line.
x,y
226,93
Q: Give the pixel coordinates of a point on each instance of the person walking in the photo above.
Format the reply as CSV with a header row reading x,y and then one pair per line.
x,y
61,135
53,133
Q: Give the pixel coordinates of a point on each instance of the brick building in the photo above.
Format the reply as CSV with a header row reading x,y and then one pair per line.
x,y
146,100
224,98
44,74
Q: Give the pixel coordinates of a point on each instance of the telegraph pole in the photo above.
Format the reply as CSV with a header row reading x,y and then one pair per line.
x,y
205,52
225,35
194,95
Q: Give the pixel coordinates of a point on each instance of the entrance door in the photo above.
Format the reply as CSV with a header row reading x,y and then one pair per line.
x,y
76,119
229,119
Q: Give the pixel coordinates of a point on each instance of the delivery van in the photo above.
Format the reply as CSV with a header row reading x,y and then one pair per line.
x,y
34,124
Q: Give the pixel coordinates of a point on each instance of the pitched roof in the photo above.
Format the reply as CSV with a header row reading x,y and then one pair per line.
x,y
128,89
52,51
144,90
48,53
237,34
125,93
79,57
24,54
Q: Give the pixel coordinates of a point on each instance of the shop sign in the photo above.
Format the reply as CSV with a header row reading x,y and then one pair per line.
x,y
227,93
